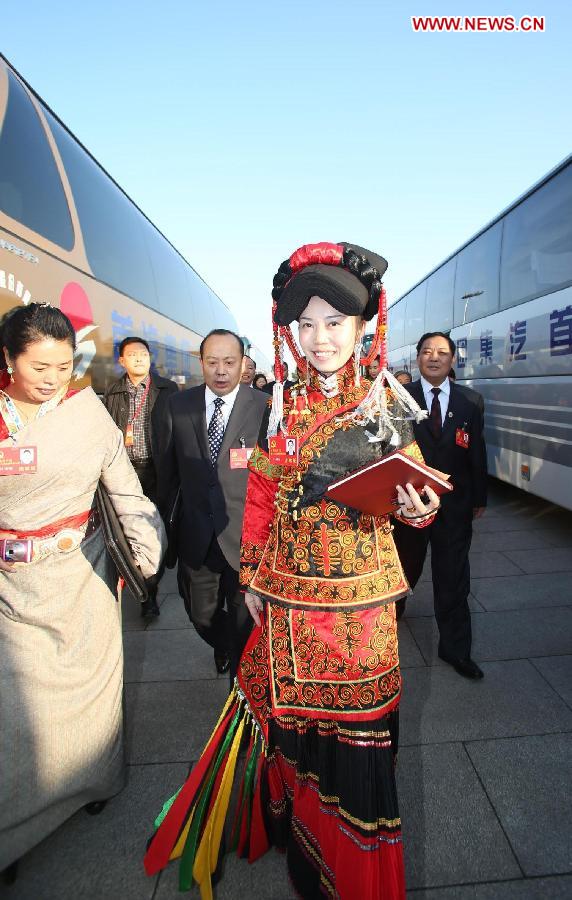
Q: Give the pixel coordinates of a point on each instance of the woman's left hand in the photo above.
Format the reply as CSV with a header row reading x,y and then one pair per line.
x,y
254,605
411,506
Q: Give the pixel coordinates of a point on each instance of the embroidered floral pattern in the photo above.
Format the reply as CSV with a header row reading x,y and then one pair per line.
x,y
259,462
312,674
329,573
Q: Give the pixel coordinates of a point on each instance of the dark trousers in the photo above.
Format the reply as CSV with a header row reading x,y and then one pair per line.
x,y
206,592
450,544
148,479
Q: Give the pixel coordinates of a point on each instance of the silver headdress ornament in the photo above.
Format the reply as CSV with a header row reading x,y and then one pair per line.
x,y
373,408
277,410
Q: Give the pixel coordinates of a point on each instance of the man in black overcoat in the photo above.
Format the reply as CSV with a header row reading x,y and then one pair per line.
x,y
451,440
209,433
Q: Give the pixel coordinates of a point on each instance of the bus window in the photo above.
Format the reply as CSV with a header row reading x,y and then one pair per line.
x,y
439,303
223,315
204,305
31,190
415,314
537,243
395,325
171,278
477,281
111,225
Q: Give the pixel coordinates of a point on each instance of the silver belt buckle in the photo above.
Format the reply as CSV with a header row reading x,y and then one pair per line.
x,y
65,541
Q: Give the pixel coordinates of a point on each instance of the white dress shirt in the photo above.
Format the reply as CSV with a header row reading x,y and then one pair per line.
x,y
445,389
226,407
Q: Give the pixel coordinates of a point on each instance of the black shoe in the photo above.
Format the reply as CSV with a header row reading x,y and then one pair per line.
x,y
150,609
399,608
10,873
221,661
465,667
94,809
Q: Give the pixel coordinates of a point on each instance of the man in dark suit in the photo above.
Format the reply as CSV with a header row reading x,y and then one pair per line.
x,y
137,402
451,440
268,388
210,430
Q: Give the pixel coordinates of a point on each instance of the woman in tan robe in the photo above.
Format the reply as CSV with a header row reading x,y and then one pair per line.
x,y
61,660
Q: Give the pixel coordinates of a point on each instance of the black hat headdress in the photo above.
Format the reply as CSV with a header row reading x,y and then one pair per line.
x,y
349,278
346,275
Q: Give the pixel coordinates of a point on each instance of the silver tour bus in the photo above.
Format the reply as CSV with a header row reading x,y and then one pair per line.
x,y
505,297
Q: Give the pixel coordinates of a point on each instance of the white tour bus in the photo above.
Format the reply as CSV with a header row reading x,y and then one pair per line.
x,y
70,235
506,298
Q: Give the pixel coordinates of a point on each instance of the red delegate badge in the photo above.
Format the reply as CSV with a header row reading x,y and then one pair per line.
x,y
18,460
462,438
283,450
239,457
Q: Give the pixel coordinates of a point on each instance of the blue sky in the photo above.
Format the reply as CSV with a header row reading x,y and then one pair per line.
x,y
245,129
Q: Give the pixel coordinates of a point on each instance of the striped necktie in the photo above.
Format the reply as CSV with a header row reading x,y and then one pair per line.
x,y
216,430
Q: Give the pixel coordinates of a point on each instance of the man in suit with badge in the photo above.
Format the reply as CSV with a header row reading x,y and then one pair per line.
x,y
451,440
210,433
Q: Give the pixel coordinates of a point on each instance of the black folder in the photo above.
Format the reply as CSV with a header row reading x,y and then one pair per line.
x,y
118,547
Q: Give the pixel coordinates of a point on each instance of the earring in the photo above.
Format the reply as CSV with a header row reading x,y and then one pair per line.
x,y
10,371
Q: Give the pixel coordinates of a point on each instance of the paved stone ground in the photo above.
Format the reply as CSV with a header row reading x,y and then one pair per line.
x,y
485,769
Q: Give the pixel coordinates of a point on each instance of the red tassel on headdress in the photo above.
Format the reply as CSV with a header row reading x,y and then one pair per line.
x,y
379,343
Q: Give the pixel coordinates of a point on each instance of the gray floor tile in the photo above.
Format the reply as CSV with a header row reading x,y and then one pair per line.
x,y
450,832
409,654
172,722
491,564
549,561
511,540
528,782
420,603
168,583
497,524
558,537
266,879
522,591
98,858
482,564
426,573
558,887
131,613
166,655
514,634
173,614
558,672
513,699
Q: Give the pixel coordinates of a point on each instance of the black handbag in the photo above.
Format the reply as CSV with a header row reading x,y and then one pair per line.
x,y
118,547
171,526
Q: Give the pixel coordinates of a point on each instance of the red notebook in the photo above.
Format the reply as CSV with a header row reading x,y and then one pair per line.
x,y
372,489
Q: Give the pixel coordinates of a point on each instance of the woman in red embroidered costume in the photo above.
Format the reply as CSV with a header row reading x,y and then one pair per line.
x,y
319,683
61,665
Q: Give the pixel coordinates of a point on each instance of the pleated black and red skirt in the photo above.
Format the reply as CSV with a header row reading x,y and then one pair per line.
x,y
321,790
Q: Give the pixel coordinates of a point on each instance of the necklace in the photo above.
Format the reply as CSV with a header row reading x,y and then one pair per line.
x,y
16,419
27,416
